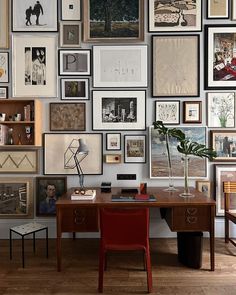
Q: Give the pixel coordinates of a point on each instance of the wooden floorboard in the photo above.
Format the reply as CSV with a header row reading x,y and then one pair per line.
x,y
124,275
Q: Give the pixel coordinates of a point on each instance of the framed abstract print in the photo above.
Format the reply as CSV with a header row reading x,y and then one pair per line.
x,y
70,34
167,111
174,16
192,112
217,9
34,16
34,69
113,21
179,56
71,10
4,67
113,141
204,186
72,89
4,23
3,92
135,149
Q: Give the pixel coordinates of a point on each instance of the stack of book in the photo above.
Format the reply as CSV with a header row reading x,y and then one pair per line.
x,y
27,111
3,134
87,196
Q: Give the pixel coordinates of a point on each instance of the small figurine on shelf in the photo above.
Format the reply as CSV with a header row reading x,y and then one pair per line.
x,y
19,139
10,136
28,131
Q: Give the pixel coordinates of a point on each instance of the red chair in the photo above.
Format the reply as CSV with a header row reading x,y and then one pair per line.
x,y
124,229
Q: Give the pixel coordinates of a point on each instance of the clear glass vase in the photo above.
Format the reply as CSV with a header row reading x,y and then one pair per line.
x,y
186,193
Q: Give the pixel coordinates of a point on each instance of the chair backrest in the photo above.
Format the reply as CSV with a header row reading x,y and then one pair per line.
x,y
229,187
124,226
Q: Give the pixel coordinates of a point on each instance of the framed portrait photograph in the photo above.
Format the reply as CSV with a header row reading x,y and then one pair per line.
x,y
224,143
34,16
113,141
135,149
221,109
217,9
66,144
71,10
173,16
4,67
3,92
205,187
16,197
192,112
70,34
75,62
224,173
67,116
159,159
34,65
181,75
113,21
4,23
48,190
167,111
120,66
75,89
119,110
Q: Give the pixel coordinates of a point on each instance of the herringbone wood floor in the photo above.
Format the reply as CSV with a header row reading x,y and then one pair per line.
x,y
124,275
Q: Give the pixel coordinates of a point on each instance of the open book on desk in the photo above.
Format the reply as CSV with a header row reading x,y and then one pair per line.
x,y
133,198
88,195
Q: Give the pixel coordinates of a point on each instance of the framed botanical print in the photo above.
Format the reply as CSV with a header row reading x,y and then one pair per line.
x,y
34,67
119,110
70,9
205,187
70,34
135,148
174,16
113,21
179,56
72,89
3,92
217,9
113,141
4,23
167,111
221,109
34,16
192,112
4,67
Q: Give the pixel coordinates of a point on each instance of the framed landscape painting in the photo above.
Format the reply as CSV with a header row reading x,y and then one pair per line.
x,y
4,26
167,111
72,89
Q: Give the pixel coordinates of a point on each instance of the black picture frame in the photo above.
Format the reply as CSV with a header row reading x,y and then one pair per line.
x,y
6,92
67,92
227,16
135,150
107,141
166,112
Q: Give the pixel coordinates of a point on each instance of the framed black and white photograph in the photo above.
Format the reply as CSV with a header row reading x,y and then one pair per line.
x,y
73,89
70,34
218,9
34,16
34,66
113,141
4,67
167,111
70,10
120,66
4,23
192,112
135,149
119,110
75,62
3,92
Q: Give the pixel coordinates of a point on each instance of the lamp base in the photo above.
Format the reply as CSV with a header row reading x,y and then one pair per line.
x,y
84,195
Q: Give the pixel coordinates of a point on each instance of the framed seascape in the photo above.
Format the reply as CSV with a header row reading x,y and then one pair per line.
x,y
4,27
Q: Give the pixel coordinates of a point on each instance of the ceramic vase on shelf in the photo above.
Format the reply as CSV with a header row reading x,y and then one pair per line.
x,y
186,193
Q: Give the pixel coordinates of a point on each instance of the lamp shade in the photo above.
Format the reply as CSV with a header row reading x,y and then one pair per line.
x,y
82,149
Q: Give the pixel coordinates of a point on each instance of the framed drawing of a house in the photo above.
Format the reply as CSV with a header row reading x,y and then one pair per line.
x,y
4,26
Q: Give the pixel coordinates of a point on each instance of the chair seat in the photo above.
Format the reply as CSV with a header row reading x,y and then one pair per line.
x,y
231,216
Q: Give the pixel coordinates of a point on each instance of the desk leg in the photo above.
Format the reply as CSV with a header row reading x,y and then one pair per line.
x,y
34,241
23,252
212,238
10,244
58,240
47,242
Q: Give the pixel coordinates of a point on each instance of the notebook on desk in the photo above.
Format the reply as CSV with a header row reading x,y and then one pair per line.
x,y
133,198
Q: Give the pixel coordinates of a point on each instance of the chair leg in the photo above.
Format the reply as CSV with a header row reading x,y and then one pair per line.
x,y
144,261
102,255
149,270
226,230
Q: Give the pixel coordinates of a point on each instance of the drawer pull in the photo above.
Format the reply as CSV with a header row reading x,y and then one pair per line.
x,y
191,219
79,218
191,211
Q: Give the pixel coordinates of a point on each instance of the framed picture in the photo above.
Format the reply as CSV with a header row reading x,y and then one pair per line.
x,y
67,116
4,67
70,9
192,112
75,62
16,197
224,143
3,92
181,74
119,110
4,24
204,186
159,159
48,190
110,22
22,160
66,144
224,173
221,109
167,111
34,16
113,141
135,149
233,10
120,66
172,16
34,69
75,89
70,34
217,9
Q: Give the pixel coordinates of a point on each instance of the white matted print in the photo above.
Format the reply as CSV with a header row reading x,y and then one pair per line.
x,y
70,9
113,141
34,65
217,9
4,67
167,111
135,148
75,89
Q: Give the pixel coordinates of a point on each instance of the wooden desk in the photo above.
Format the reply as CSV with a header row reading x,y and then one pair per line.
x,y
182,214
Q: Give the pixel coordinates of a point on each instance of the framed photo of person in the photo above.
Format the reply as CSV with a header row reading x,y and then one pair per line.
x,y
70,10
113,141
218,9
73,89
4,67
3,92
4,24
167,111
192,112
70,34
204,186
135,149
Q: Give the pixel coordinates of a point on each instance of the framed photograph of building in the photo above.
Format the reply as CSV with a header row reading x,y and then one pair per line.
x,y
3,92
135,149
75,62
4,24
34,16
120,66
113,141
181,74
113,21
70,10
67,116
192,112
174,16
16,197
34,65
167,111
119,110
73,89
205,187
218,9
4,67
70,34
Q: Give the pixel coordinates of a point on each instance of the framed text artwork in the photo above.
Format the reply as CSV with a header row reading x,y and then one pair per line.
x,y
217,9
70,34
72,89
174,16
4,19
4,67
34,69
179,56
167,111
135,148
70,9
192,112
37,16
111,21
